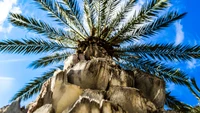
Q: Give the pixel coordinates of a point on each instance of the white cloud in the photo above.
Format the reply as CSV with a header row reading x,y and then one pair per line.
x,y
7,6
12,60
6,78
191,64
16,10
179,33
170,86
6,29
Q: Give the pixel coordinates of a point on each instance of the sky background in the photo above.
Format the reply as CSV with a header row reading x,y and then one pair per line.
x,y
14,73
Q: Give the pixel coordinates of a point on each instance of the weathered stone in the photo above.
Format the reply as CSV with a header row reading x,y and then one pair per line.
x,y
97,85
71,61
95,51
88,105
47,108
130,100
97,74
121,78
45,97
85,105
13,108
64,93
151,86
92,74
109,107
170,111
97,95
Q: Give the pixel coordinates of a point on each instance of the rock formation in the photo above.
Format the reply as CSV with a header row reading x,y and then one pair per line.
x,y
95,84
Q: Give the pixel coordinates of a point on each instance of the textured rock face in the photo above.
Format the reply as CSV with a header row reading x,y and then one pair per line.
x,y
13,108
47,108
152,87
98,85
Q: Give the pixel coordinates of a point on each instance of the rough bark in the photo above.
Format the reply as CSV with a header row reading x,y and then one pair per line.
x,y
93,83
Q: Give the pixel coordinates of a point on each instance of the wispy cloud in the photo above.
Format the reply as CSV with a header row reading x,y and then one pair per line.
x,y
16,9
6,7
170,86
6,78
179,33
192,64
12,60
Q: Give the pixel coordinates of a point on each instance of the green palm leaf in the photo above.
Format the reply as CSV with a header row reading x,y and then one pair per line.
x,y
168,52
76,15
162,22
89,10
111,8
31,46
57,12
147,12
48,60
195,84
120,16
34,86
175,104
149,29
169,74
38,26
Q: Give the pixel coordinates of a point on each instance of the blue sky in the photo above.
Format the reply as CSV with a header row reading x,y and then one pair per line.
x,y
13,68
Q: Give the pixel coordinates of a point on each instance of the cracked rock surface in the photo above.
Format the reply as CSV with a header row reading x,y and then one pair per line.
x,y
96,85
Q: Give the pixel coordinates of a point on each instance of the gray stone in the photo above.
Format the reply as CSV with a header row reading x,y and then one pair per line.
x,y
47,108
130,99
151,87
13,108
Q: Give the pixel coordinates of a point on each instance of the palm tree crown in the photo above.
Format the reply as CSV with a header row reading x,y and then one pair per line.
x,y
101,24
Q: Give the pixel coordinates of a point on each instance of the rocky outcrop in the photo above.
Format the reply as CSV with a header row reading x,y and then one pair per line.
x,y
13,108
98,85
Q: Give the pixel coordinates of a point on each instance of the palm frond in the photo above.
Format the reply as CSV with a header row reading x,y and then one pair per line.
x,y
57,11
169,74
162,22
149,29
104,11
120,16
90,13
195,84
34,86
176,105
168,52
111,8
31,46
48,60
192,89
38,26
98,8
149,11
76,13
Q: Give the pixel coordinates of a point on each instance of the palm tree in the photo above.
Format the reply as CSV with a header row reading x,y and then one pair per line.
x,y
102,24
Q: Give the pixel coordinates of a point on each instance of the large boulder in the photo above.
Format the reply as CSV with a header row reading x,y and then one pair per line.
x,y
130,99
14,107
151,87
47,108
98,85
98,73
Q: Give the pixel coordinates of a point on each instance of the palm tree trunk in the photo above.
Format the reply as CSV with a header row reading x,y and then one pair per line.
x,y
91,82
